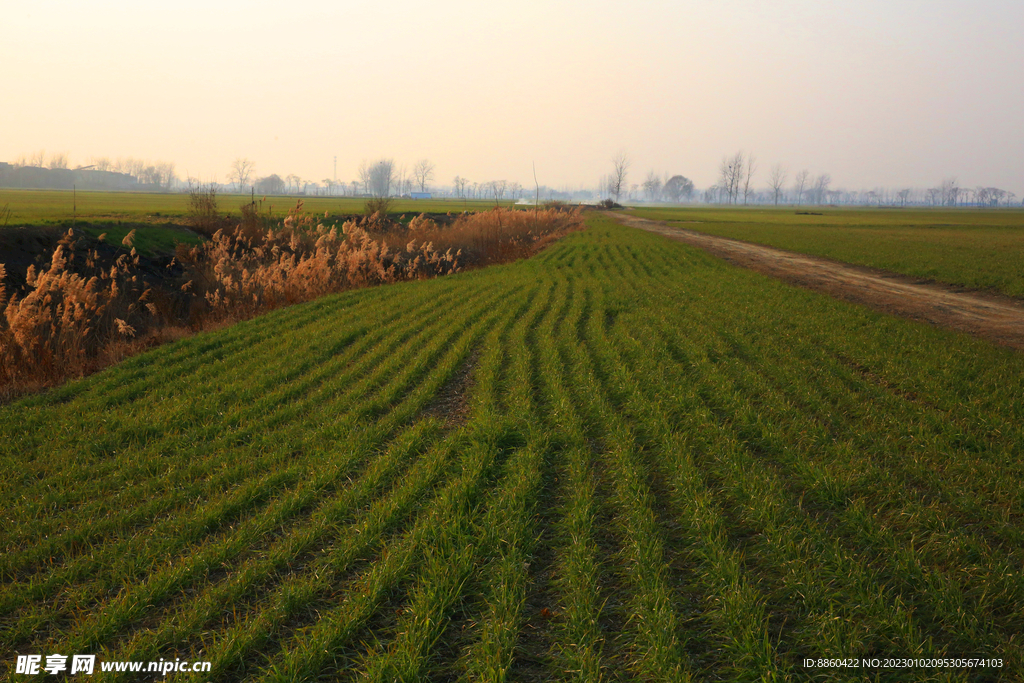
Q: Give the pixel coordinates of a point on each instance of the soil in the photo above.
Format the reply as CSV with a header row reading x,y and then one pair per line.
x,y
994,317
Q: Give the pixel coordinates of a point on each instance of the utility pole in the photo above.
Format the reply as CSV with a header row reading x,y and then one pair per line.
x,y
335,168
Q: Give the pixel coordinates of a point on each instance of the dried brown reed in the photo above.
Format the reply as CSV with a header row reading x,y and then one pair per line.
x,y
68,314
496,236
77,316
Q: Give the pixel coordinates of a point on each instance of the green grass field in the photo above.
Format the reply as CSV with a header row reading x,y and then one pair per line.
x,y
42,207
969,247
668,469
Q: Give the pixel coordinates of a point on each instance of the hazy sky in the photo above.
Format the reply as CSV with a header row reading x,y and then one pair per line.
x,y
877,93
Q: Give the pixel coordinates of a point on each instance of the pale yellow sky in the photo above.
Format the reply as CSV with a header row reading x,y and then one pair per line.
x,y
897,93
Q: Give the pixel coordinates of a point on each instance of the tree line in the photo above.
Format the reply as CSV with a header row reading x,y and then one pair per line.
x,y
736,184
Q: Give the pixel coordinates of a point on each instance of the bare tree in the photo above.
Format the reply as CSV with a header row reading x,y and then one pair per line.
x,y
58,160
497,188
748,175
777,181
37,159
101,164
382,177
620,171
399,178
820,188
800,185
730,174
903,195
950,191
652,186
165,172
364,176
516,191
423,171
241,172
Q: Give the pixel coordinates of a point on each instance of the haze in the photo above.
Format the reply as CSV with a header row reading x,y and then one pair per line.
x,y
874,93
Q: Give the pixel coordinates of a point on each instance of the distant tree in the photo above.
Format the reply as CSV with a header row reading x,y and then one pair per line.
x,y
950,191
149,175
241,172
382,178
730,175
620,171
652,186
820,188
135,167
677,188
399,180
497,189
58,160
460,186
355,187
37,159
102,164
904,196
165,174
777,181
748,175
271,184
364,176
516,191
800,185
423,171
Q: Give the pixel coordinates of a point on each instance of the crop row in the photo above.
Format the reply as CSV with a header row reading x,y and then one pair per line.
x,y
666,469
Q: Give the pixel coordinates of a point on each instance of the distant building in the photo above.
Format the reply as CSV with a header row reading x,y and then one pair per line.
x,y
34,177
420,195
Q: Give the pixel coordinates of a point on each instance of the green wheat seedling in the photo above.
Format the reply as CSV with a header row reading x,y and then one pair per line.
x,y
622,459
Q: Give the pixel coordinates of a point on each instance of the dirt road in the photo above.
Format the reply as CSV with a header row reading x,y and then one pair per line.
x,y
997,318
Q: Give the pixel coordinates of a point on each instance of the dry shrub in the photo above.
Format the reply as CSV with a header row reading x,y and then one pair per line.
x,y
77,316
499,235
69,314
243,273
202,207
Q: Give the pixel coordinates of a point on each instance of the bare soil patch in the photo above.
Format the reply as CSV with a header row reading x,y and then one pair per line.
x,y
992,316
451,403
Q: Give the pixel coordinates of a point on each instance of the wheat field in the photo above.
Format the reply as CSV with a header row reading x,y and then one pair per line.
x,y
621,459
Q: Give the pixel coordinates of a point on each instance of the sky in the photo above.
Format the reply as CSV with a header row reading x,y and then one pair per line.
x,y
877,93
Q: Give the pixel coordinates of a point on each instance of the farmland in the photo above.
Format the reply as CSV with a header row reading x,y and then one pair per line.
x,y
43,207
979,249
621,459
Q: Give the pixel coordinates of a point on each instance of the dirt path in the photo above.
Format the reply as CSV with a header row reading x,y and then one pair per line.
x,y
997,318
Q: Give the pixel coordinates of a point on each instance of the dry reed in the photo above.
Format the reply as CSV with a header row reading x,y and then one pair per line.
x,y
77,316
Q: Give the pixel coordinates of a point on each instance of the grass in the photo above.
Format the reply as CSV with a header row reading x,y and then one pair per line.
x,y
671,469
48,207
979,249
